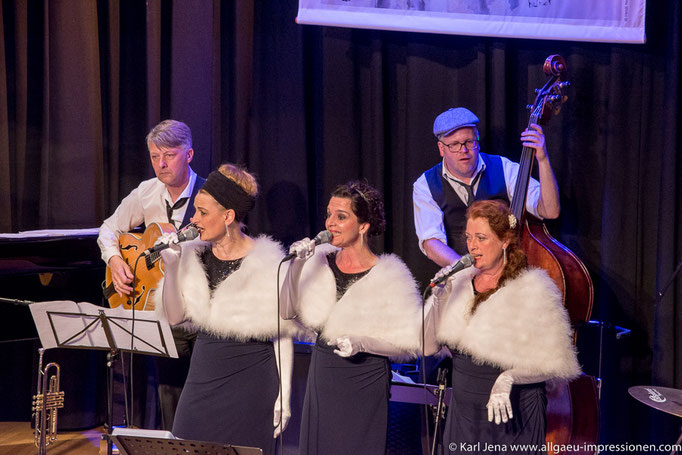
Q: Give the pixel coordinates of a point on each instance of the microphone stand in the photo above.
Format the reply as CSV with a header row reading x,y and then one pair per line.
x,y
659,295
17,302
440,407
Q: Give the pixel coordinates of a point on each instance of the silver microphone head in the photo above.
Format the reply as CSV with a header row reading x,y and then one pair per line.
x,y
323,237
189,233
467,260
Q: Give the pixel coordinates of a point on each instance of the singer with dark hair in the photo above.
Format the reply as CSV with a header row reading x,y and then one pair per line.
x,y
364,308
225,283
508,332
162,199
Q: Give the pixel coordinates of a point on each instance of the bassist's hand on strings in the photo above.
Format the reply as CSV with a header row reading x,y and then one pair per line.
x,y
121,276
534,138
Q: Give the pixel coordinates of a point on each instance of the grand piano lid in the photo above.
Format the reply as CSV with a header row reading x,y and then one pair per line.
x,y
50,233
48,250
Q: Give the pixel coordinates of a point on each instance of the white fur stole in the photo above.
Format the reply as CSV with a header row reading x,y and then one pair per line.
x,y
384,304
244,305
523,325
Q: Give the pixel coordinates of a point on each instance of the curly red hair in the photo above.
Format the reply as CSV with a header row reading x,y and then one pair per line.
x,y
497,214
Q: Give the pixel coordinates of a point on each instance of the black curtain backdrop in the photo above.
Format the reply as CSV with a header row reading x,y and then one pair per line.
x,y
308,107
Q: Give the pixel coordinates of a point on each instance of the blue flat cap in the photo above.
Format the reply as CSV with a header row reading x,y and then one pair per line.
x,y
453,119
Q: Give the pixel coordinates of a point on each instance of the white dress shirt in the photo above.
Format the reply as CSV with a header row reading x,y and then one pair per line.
x,y
428,217
145,204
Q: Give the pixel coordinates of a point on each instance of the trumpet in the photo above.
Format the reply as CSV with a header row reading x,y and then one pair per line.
x,y
46,401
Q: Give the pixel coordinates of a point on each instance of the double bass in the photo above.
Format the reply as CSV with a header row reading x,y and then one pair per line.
x,y
573,407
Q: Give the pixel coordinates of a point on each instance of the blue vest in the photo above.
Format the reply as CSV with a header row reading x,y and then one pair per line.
x,y
491,186
198,183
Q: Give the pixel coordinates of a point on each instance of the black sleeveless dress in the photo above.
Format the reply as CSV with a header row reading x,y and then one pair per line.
x,y
345,410
230,392
467,430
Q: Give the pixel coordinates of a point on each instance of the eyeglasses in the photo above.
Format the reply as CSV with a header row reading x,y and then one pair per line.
x,y
457,146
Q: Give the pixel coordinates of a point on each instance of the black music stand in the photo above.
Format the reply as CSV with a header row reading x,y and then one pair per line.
x,y
139,445
67,324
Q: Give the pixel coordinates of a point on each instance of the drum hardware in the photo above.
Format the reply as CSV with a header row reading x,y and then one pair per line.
x,y
662,398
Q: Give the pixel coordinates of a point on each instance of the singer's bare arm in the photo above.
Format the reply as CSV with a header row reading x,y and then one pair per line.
x,y
440,253
173,301
289,294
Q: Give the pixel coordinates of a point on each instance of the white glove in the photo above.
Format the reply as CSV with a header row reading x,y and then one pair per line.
x,y
285,348
303,249
171,254
442,291
499,406
285,417
350,345
346,346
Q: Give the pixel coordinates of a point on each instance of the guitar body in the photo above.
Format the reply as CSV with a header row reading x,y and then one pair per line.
x,y
149,268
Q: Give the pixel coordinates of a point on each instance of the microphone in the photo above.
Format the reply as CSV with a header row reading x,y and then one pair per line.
x,y
190,233
320,238
466,261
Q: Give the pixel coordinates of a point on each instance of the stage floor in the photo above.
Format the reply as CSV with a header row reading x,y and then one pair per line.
x,y
16,438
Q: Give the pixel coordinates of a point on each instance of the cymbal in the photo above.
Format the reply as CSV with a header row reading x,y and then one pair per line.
x,y
662,398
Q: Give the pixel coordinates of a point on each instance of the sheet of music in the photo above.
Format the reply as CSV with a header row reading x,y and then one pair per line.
x,y
64,323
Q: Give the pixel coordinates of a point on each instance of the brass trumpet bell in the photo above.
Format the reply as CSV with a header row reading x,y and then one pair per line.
x,y
47,400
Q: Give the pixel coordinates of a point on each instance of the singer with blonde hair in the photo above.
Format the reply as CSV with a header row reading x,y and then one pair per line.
x,y
363,308
225,283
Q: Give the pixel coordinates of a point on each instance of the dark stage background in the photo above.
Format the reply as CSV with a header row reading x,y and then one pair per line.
x,y
307,107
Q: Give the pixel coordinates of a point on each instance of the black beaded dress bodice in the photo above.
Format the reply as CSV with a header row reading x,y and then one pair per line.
x,y
217,269
343,280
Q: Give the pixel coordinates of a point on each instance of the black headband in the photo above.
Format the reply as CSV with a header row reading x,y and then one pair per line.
x,y
229,194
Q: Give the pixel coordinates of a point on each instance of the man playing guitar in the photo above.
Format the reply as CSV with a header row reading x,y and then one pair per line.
x,y
166,198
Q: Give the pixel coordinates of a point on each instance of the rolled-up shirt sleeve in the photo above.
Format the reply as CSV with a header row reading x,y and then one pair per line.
x,y
511,173
428,217
128,215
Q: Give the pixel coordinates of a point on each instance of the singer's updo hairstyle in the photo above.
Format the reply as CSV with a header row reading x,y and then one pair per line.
x,y
497,214
241,177
367,204
232,187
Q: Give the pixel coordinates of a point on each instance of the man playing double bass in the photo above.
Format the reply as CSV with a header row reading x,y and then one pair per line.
x,y
442,194
166,198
